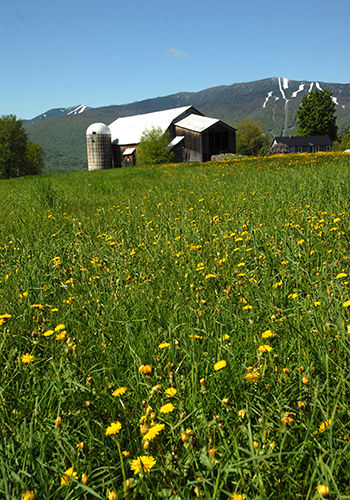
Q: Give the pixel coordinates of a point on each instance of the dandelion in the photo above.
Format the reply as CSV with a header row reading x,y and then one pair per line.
x,y
111,495
301,405
145,369
241,413
37,306
114,428
48,333
305,380
61,335
293,296
252,376
167,408
153,431
170,392
58,421
120,391
208,276
219,365
27,358
164,345
80,446
236,496
142,464
225,401
245,308
346,304
267,333
59,327
265,348
341,275
68,475
323,490
84,478
325,425
225,337
317,303
29,495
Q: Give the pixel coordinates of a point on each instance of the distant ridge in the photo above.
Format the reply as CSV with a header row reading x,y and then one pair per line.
x,y
273,101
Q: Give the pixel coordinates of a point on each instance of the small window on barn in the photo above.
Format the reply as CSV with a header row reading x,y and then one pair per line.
x,y
300,149
317,148
328,148
292,149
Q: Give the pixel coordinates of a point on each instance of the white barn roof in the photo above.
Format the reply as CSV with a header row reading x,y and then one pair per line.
x,y
196,123
128,130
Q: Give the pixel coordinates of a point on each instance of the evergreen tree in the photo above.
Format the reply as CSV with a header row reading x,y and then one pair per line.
x,y
316,114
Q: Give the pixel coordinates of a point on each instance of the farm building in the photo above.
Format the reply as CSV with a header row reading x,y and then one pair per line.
x,y
305,144
194,137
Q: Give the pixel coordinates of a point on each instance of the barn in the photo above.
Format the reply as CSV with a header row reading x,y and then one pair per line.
x,y
194,137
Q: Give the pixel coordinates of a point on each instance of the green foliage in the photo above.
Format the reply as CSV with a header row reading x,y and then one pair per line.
x,y
18,155
178,267
343,142
250,137
153,148
316,115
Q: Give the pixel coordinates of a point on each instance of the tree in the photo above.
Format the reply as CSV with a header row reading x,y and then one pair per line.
x,y
316,114
153,147
18,155
250,137
343,142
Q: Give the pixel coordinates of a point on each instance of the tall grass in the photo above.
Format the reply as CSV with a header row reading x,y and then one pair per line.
x,y
143,280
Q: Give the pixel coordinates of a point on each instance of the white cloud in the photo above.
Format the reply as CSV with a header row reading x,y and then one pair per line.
x,y
175,53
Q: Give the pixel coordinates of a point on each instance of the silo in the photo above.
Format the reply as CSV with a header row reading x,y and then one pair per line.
x,y
99,146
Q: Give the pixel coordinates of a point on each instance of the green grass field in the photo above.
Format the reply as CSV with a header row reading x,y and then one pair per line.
x,y
177,332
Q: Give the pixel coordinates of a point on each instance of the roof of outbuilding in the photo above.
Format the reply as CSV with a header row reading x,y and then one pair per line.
x,y
129,129
196,123
307,140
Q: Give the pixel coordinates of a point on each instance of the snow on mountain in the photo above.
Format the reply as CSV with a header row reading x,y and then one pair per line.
x,y
72,110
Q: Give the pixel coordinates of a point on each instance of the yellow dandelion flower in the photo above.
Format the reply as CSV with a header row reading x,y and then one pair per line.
x,y
163,345
245,308
145,369
301,405
114,428
346,304
241,413
153,432
59,327
341,275
267,333
48,333
208,276
142,464
265,348
37,306
120,391
236,496
323,490
220,364
305,380
84,478
167,408
292,296
68,475
61,335
317,303
27,358
111,495
170,392
252,376
325,425
80,446
29,495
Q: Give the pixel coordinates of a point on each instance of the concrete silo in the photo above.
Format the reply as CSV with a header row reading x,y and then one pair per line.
x,y
99,146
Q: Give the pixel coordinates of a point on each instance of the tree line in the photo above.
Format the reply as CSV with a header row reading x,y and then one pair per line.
x,y
19,156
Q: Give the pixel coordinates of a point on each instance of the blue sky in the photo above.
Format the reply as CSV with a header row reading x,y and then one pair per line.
x,y
65,53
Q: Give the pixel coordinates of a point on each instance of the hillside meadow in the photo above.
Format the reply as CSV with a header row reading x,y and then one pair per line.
x,y
177,332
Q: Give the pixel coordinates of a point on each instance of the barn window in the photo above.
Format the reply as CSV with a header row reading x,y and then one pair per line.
x,y
218,141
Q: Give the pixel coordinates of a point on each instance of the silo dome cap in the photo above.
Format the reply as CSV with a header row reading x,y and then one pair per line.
x,y
98,128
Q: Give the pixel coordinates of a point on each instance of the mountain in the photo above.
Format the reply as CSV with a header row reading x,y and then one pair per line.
x,y
273,101
73,110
